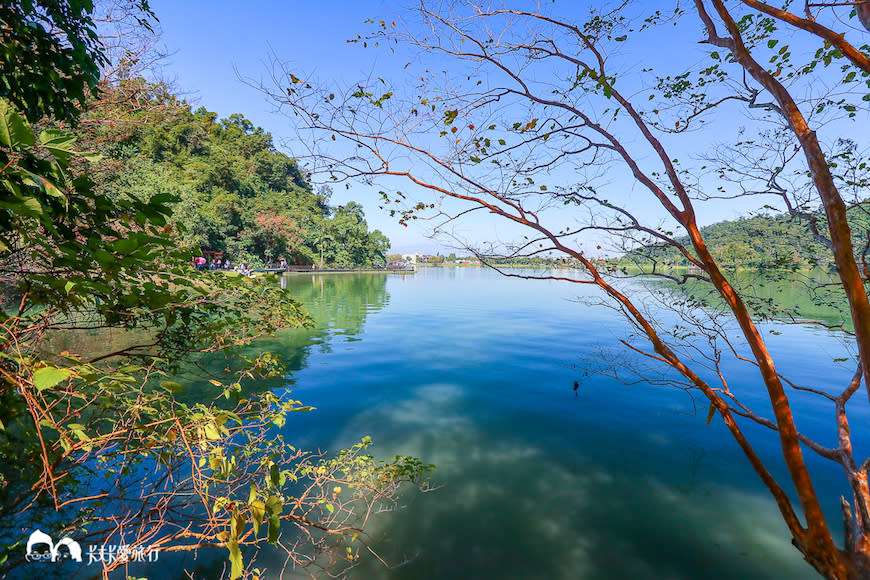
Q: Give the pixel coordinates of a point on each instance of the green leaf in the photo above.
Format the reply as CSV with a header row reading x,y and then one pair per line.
x,y
211,431
237,524
51,189
258,511
28,207
252,494
162,198
274,506
274,529
47,377
59,143
14,132
125,245
174,387
103,257
236,565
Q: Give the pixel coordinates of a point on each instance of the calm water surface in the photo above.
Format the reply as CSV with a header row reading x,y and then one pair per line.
x,y
474,372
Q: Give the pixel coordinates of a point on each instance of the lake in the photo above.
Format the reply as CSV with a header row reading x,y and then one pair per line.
x,y
475,373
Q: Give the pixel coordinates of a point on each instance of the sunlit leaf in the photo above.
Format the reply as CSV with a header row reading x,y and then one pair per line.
x,y
14,132
47,377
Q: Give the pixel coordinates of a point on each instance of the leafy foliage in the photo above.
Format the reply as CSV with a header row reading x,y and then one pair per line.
x,y
238,195
50,55
756,242
121,442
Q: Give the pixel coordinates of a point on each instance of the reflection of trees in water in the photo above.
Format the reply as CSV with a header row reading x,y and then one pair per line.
x,y
777,295
698,325
93,343
339,304
340,301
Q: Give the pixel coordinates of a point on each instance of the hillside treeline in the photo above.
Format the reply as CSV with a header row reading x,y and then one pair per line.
x,y
759,242
235,193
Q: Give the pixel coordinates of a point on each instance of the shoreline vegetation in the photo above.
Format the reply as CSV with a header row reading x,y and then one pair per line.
x,y
348,271
612,266
762,243
134,411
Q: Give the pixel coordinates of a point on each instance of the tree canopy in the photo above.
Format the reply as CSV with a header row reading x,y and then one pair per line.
x,y
238,194
758,242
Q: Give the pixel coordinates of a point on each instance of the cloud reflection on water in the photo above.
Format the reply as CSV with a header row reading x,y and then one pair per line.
x,y
509,508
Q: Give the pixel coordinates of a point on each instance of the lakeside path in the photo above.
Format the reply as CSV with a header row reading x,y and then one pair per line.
x,y
334,271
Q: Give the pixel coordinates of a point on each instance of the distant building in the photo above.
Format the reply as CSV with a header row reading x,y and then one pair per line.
x,y
415,257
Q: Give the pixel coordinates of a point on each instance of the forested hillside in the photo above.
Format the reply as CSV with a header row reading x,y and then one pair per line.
x,y
758,242
236,193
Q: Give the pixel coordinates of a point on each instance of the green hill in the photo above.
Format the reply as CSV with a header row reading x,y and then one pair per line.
x,y
236,193
757,242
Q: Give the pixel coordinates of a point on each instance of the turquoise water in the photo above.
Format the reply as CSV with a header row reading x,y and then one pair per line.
x,y
474,372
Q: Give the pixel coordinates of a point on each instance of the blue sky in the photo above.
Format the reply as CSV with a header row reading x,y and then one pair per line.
x,y
211,44
214,43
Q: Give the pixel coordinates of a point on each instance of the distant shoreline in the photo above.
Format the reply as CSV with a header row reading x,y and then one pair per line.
x,y
348,271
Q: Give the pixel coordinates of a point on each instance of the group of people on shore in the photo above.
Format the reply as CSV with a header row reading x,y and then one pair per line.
x,y
217,263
